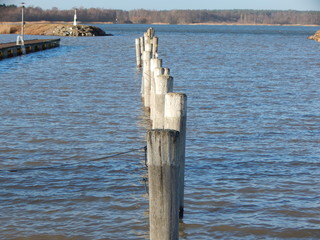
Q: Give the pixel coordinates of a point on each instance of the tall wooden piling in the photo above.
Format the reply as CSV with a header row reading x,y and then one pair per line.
x,y
166,142
150,32
138,53
175,117
147,42
148,49
155,41
163,85
141,44
163,173
155,63
146,79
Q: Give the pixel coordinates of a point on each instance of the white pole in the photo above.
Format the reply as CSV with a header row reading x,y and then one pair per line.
x,y
22,22
20,38
75,18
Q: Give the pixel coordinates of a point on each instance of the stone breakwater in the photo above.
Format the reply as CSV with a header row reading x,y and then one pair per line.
x,y
315,37
78,30
53,29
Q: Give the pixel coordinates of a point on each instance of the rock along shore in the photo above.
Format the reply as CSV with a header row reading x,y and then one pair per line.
x,y
54,30
316,36
78,30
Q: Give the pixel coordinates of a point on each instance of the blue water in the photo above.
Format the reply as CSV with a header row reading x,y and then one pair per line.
x,y
253,135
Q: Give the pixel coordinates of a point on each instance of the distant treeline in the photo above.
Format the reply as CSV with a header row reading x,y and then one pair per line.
x,y
12,13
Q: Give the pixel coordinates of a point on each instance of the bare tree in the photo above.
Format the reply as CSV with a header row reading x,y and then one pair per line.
x,y
12,13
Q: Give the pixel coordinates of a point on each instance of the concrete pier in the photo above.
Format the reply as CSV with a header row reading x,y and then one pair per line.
x,y
8,50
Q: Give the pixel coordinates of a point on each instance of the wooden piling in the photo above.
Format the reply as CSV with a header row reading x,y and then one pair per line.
x,y
146,79
141,44
163,85
150,32
166,142
147,43
138,53
148,48
155,41
175,117
155,63
163,173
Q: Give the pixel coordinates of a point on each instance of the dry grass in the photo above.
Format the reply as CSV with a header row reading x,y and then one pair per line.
x,y
9,29
29,28
39,29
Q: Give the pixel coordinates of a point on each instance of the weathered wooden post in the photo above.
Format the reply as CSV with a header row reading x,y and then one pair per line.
x,y
146,79
148,48
154,64
155,41
141,44
147,42
163,85
138,53
142,51
163,173
150,32
175,117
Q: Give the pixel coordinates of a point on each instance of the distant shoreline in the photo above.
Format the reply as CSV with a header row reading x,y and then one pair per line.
x,y
161,23
82,29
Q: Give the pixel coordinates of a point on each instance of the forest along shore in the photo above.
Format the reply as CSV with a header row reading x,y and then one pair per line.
x,y
12,13
53,29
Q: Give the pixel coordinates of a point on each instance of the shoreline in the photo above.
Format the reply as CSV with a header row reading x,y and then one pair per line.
x,y
88,29
52,29
163,23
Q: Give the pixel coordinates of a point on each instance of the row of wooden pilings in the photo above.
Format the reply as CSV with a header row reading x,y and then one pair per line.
x,y
165,140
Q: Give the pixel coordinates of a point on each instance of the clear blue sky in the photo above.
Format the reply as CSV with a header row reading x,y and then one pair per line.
x,y
173,4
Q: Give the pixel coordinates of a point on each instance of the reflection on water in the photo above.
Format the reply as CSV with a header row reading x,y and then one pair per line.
x,y
252,167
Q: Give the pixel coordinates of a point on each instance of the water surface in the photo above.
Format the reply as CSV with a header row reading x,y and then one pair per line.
x,y
252,156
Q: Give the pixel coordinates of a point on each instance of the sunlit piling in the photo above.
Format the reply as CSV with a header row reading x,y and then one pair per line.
x,y
146,79
163,85
148,47
138,53
163,174
166,140
155,63
175,117
154,52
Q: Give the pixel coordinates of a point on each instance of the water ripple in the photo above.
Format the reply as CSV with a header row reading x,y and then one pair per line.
x,y
252,167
